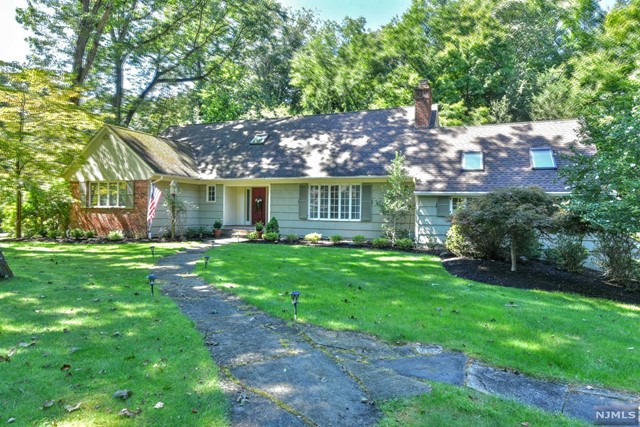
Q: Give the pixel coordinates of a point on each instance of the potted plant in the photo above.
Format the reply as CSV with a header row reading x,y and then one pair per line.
x,y
217,228
259,228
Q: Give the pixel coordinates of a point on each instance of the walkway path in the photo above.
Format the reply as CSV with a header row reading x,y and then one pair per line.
x,y
276,373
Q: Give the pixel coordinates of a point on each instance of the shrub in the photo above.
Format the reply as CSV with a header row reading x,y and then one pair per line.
x,y
52,234
115,235
381,242
313,237
259,226
77,233
272,226
618,253
271,237
217,224
291,238
404,244
90,234
458,243
567,253
359,239
195,232
336,238
252,235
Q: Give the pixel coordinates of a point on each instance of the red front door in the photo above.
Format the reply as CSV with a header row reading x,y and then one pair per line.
x,y
258,204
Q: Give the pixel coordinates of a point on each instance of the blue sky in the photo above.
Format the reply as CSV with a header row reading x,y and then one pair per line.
x,y
377,13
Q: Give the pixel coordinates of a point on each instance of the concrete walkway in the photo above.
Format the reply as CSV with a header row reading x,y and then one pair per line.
x,y
277,373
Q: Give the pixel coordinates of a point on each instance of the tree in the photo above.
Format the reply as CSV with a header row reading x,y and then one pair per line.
x,y
41,129
511,216
5,270
398,200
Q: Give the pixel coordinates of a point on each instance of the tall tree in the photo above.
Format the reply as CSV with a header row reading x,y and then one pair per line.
x,y
41,129
397,201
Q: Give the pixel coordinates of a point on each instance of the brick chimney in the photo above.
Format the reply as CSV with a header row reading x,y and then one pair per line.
x,y
423,104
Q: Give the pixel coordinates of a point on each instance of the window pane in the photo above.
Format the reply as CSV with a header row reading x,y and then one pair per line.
x,y
335,194
313,201
122,194
93,196
324,202
113,194
345,199
211,193
355,202
103,191
542,159
472,161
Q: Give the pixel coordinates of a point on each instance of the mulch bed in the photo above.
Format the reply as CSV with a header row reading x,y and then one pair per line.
x,y
538,275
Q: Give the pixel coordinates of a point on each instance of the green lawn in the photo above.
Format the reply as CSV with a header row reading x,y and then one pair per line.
x,y
410,297
78,323
448,405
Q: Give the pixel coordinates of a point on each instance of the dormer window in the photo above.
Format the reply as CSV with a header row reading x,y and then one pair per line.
x,y
259,138
472,161
542,158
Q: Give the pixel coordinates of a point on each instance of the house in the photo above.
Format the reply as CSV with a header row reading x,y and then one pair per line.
x,y
321,173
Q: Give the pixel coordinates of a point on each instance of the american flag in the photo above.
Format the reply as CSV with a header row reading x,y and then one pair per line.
x,y
153,202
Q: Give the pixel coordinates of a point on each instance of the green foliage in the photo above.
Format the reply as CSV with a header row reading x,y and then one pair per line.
x,y
217,224
291,238
510,216
115,235
271,236
381,242
259,226
77,233
252,235
196,233
336,238
312,237
90,234
359,239
397,202
404,244
567,253
272,226
619,256
458,243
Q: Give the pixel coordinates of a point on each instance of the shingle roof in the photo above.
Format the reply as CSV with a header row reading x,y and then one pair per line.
x,y
364,143
164,156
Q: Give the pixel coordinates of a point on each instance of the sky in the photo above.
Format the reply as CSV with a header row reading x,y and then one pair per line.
x,y
376,12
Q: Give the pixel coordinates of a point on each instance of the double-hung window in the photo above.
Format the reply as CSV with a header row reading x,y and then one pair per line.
x,y
335,202
108,194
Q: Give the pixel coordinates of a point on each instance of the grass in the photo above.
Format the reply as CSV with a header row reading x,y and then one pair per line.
x,y
78,323
448,405
411,297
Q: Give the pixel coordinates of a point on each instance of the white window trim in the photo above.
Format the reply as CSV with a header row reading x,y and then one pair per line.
x,y
215,194
481,168
99,183
553,159
464,201
310,218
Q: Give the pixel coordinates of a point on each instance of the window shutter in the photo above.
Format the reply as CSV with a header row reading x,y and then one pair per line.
x,y
219,190
303,202
84,194
367,203
129,203
443,207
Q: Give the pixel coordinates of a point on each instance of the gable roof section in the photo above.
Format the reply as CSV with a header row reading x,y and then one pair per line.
x,y
363,144
164,156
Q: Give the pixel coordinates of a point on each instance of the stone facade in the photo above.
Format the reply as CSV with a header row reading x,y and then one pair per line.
x,y
132,222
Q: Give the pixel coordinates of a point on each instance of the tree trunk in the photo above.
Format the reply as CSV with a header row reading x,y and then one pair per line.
x,y
5,271
18,228
514,256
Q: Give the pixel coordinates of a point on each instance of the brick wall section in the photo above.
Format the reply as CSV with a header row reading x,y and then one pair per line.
x,y
133,222
423,104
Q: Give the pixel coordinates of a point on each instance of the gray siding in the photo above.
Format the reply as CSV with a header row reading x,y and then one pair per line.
x,y
199,212
285,207
428,223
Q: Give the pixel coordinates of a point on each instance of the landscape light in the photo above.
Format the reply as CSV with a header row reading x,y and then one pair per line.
x,y
294,300
206,261
153,251
152,281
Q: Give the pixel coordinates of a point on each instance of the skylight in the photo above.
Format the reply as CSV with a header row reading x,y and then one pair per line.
x,y
259,138
472,161
542,158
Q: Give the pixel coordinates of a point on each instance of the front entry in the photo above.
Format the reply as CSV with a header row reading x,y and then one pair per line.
x,y
258,204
